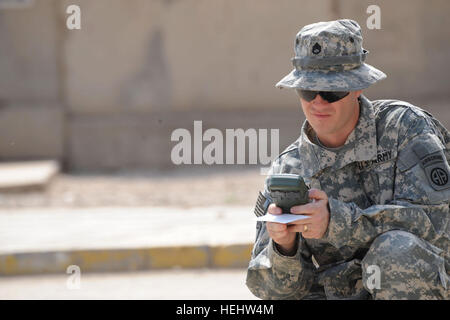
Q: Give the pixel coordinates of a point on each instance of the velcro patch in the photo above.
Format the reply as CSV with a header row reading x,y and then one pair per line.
x,y
436,170
262,203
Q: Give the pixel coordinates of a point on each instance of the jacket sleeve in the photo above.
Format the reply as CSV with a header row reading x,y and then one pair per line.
x,y
270,274
421,194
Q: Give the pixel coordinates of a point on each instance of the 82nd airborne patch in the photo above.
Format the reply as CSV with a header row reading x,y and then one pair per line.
x,y
436,170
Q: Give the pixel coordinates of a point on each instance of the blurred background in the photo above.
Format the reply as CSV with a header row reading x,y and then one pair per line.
x,y
86,117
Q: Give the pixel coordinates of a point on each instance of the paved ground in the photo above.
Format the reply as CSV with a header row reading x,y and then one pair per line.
x,y
99,214
49,240
202,284
134,220
41,229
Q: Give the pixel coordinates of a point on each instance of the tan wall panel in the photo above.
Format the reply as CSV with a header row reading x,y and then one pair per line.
x,y
31,132
28,53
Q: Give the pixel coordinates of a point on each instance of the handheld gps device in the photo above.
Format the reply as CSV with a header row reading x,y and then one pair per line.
x,y
287,190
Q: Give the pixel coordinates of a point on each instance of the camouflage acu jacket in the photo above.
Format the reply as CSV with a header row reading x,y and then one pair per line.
x,y
391,174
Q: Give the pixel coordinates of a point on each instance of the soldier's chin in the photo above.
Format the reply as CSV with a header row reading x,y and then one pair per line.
x,y
322,128
321,124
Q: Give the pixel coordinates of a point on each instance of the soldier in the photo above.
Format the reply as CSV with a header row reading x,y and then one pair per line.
x,y
379,174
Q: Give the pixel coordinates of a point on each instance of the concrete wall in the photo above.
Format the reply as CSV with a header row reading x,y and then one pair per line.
x,y
138,69
31,114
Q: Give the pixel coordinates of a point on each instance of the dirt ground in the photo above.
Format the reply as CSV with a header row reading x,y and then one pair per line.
x,y
187,187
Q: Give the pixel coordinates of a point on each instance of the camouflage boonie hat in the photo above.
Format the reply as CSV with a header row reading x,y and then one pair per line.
x,y
329,57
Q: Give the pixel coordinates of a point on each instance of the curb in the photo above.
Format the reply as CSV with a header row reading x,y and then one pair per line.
x,y
27,175
114,260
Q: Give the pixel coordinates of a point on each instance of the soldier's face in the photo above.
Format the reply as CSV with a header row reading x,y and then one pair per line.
x,y
335,119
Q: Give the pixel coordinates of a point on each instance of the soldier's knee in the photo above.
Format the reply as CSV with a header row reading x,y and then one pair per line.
x,y
390,254
399,264
392,245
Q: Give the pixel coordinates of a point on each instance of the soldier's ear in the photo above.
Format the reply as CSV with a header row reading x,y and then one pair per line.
x,y
358,93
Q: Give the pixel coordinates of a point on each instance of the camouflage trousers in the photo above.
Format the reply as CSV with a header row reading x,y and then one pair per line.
x,y
398,265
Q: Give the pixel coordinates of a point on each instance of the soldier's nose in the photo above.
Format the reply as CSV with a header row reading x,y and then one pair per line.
x,y
318,100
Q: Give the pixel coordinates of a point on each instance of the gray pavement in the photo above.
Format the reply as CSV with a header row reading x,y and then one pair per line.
x,y
45,241
43,229
201,284
100,231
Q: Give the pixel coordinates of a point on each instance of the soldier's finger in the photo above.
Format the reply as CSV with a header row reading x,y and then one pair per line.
x,y
277,235
308,208
273,209
299,228
276,227
317,194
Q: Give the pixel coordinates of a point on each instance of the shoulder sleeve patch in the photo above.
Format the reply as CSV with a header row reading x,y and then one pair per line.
x,y
429,153
437,170
435,165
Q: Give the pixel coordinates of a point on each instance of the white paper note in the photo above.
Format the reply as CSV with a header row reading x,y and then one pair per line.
x,y
281,218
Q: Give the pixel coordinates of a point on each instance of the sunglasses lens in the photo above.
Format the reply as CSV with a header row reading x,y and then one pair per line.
x,y
333,96
307,95
330,96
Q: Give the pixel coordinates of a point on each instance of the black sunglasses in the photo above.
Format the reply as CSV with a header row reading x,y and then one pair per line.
x,y
330,96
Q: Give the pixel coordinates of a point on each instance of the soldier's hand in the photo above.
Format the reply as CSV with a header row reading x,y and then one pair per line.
x,y
280,233
316,225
